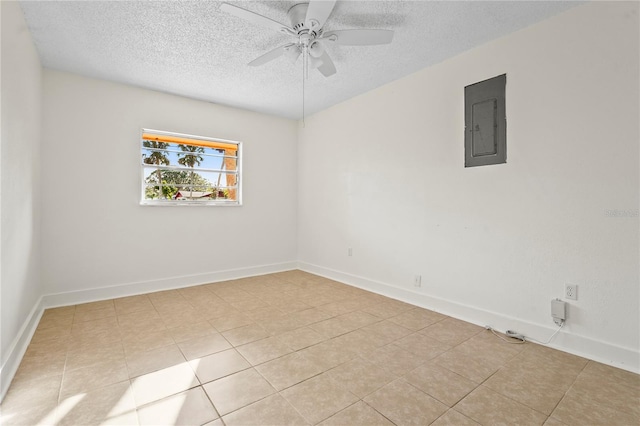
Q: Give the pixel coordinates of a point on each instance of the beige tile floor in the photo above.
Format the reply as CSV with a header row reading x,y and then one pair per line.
x,y
296,349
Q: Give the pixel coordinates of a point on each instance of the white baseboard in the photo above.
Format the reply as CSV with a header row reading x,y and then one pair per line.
x,y
19,347
606,353
142,287
21,342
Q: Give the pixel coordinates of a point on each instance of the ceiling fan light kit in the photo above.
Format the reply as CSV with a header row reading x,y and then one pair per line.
x,y
307,26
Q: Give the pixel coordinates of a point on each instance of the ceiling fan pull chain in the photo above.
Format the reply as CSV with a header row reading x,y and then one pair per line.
x,y
303,79
305,58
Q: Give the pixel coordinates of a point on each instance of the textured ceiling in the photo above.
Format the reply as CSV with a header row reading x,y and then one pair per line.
x,y
191,48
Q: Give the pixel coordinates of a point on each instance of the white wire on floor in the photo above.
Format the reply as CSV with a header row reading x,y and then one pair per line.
x,y
550,338
518,341
511,340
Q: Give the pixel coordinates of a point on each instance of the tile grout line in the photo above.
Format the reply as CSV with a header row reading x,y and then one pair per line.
x,y
569,388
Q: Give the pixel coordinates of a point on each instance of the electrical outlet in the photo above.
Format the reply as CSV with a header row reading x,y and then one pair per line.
x,y
417,281
571,291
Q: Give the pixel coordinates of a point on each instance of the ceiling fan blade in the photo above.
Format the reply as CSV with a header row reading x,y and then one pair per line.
x,y
292,52
359,37
327,68
255,18
270,55
317,13
314,63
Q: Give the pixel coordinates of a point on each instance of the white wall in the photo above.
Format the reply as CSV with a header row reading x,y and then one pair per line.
x,y
94,232
384,174
19,190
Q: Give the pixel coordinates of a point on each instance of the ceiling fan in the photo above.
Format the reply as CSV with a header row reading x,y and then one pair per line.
x,y
307,27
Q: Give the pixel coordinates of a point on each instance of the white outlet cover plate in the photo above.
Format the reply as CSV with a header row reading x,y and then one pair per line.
x,y
571,291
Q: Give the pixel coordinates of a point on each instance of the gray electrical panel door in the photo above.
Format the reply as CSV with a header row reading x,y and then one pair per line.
x,y
485,136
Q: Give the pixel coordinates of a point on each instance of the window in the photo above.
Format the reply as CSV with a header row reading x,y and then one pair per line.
x,y
180,169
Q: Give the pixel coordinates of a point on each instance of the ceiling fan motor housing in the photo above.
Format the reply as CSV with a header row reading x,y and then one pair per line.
x,y
297,16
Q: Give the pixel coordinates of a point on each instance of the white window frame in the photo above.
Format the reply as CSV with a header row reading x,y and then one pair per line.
x,y
185,202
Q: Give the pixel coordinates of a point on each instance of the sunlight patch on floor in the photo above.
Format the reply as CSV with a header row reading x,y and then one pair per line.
x,y
64,408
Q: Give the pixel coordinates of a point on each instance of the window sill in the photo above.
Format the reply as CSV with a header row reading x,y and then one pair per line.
x,y
189,204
